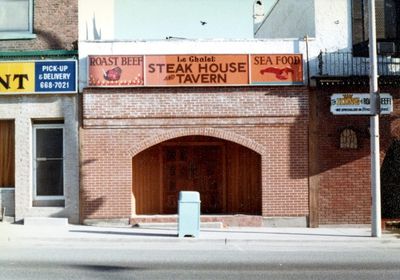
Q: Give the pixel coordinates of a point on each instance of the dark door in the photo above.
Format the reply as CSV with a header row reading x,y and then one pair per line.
x,y
193,168
390,182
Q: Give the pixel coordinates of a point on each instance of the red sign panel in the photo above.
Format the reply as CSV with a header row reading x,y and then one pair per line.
x,y
195,70
175,70
115,71
276,69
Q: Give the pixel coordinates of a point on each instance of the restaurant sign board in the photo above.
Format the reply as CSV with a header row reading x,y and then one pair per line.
x,y
358,103
43,76
194,70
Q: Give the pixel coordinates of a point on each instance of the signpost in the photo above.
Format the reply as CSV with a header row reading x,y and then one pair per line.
x,y
376,230
371,104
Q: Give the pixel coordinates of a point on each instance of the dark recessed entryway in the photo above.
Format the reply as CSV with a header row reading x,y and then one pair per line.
x,y
227,175
390,182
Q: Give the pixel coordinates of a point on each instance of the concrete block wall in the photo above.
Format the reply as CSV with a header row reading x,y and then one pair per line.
x,y
120,123
23,110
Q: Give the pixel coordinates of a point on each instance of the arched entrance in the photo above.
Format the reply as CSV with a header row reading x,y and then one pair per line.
x,y
227,175
390,182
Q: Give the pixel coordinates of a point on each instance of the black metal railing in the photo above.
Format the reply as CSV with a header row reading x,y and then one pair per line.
x,y
345,64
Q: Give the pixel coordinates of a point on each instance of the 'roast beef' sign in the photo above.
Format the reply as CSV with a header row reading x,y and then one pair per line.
x,y
195,70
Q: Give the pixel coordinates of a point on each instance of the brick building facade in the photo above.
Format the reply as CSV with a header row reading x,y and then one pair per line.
x,y
120,125
305,170
278,148
55,27
340,176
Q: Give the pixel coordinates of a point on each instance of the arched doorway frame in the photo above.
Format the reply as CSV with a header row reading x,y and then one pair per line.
x,y
211,132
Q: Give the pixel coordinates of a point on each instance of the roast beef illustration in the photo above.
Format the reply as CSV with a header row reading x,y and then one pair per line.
x,y
112,74
280,73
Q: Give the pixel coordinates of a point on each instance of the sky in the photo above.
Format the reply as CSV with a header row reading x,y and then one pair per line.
x,y
191,19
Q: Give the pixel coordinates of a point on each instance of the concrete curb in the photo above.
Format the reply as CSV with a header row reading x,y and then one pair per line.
x,y
15,234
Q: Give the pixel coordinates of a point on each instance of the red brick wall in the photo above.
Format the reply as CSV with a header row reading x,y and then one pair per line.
x,y
344,174
118,124
55,26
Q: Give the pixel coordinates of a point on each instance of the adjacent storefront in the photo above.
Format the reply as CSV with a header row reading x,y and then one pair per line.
x,y
340,150
39,143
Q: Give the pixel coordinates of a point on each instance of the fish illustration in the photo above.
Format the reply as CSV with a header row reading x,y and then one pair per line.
x,y
280,73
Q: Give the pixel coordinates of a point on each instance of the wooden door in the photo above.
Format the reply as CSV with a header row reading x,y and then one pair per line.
x,y
146,182
193,168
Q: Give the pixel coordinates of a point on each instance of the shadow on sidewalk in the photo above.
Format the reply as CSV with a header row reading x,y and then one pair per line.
x,y
125,233
224,231
290,233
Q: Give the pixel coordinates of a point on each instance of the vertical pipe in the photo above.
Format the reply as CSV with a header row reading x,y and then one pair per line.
x,y
308,61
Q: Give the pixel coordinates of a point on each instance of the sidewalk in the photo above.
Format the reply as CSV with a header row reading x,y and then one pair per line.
x,y
12,233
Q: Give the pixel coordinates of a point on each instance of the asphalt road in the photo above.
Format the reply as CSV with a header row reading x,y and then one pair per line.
x,y
97,260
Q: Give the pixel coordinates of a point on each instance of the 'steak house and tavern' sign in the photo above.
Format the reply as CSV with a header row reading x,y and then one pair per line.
x,y
195,70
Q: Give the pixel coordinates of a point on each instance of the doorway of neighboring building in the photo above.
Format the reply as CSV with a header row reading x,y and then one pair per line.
x,y
7,153
7,169
390,182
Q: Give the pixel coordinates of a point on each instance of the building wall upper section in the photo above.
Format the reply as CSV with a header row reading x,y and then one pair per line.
x,y
38,25
212,27
141,20
275,23
158,19
192,103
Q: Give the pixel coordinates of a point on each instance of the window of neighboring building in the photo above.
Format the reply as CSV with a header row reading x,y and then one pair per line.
x,y
348,139
16,19
48,161
387,26
7,153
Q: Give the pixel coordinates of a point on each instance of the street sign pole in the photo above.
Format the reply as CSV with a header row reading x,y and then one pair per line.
x,y
376,230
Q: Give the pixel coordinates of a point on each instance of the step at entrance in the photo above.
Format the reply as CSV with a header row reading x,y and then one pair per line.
x,y
206,220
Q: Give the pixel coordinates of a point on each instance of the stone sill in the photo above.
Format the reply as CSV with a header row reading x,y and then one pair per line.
x,y
7,189
17,36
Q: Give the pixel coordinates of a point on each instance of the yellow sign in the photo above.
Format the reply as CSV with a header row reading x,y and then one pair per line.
x,y
17,77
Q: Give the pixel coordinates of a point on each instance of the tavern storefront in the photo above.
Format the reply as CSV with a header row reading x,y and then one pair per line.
x,y
232,127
